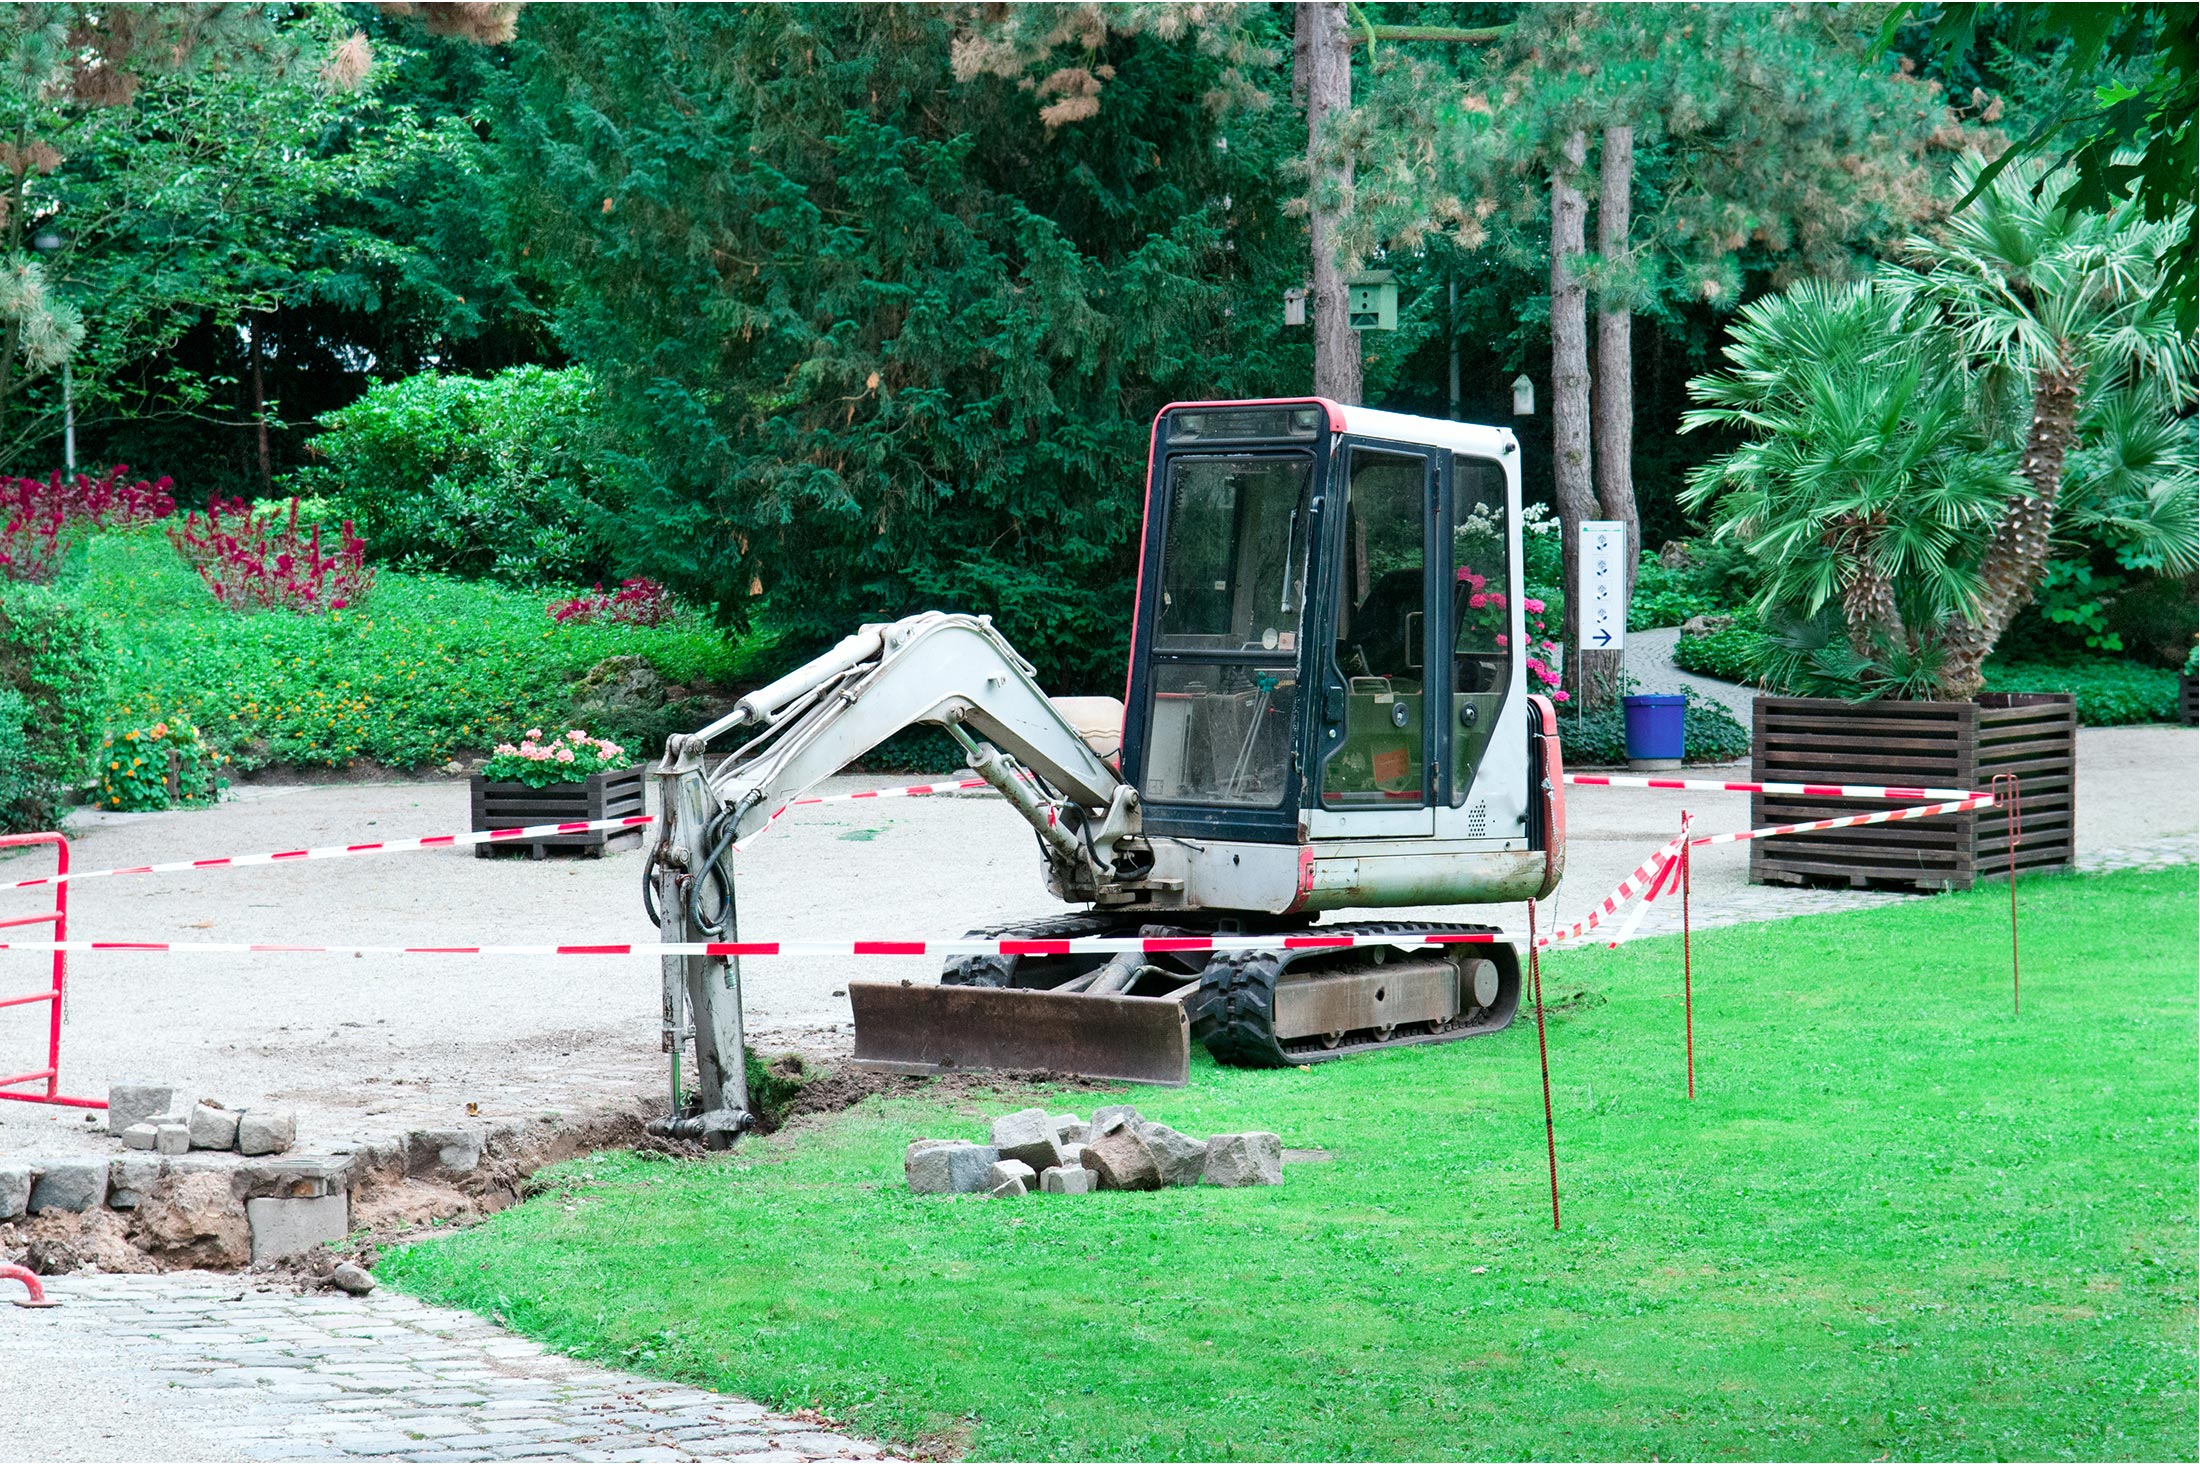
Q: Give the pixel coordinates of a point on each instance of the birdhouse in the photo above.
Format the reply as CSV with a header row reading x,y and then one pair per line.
x,y
1371,301
1294,306
1523,396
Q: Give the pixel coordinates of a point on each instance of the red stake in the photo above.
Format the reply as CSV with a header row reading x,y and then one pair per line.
x,y
2015,805
1543,1046
1688,1000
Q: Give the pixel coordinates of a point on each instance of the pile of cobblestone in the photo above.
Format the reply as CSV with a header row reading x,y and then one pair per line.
x,y
149,1116
238,1195
1062,1154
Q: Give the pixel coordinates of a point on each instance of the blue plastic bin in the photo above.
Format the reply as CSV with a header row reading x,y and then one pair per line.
x,y
1657,731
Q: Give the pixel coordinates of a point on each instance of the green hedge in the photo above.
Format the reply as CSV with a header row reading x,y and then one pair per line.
x,y
499,477
1729,655
427,668
53,700
2109,693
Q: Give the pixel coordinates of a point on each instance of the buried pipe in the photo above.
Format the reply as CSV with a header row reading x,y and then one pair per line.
x,y
29,1278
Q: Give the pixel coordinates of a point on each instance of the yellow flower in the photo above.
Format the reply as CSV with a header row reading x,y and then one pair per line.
x,y
114,765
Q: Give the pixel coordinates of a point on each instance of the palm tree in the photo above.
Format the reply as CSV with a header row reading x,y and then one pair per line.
x,y
1869,487
2051,305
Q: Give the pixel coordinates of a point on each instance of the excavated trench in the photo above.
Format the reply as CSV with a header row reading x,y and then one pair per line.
x,y
196,1216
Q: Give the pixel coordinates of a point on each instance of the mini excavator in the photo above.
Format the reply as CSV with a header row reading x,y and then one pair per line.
x,y
1326,709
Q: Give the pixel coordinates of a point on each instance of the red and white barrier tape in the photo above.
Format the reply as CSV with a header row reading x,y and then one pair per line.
x,y
1810,790
1090,945
340,851
907,790
1668,875
459,841
1932,810
1645,873
1649,880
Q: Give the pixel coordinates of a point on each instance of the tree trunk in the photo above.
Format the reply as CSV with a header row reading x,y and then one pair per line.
x,y
1570,457
259,410
1321,46
1614,398
2017,555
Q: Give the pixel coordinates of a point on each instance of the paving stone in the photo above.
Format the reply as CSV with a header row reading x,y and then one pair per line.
x,y
15,1190
1180,1156
141,1136
1004,1170
266,1131
68,1184
135,1103
1122,1161
172,1138
287,1227
1027,1136
352,1278
1109,1117
212,1127
1236,1160
1070,1129
1064,1180
1009,1189
950,1169
455,1150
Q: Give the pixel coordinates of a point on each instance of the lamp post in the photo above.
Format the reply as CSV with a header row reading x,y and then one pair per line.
x,y
49,241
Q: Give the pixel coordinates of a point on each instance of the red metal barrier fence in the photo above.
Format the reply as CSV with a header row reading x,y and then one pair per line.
x,y
58,918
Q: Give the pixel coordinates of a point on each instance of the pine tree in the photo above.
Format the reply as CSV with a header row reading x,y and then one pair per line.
x,y
878,338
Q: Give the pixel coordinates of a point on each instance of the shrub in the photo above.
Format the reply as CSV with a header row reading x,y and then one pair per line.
x,y
258,560
1668,595
498,478
639,601
52,663
1733,654
133,768
2108,693
1599,738
46,517
566,758
436,667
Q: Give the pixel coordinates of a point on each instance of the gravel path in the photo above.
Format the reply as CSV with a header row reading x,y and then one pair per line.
x,y
193,1366
1648,658
365,1046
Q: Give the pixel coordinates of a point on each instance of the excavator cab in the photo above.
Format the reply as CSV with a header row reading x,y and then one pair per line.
x,y
1326,709
1327,699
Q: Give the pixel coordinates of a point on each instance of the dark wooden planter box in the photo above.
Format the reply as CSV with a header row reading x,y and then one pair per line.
x,y
600,795
2188,699
1917,745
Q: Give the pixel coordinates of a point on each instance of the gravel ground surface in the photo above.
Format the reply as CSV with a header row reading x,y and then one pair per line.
x,y
193,1366
363,1046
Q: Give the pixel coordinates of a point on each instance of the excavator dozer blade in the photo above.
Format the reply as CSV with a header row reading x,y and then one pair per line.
x,y
906,1028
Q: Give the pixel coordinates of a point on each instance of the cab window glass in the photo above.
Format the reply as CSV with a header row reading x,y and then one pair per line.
x,y
1482,648
1382,621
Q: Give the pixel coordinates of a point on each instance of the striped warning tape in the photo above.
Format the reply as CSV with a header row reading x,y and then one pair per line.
x,y
459,841
1810,790
1090,945
917,790
1611,904
1933,810
1649,880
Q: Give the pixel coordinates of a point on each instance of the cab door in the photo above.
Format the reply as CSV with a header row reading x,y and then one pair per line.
x,y
1380,738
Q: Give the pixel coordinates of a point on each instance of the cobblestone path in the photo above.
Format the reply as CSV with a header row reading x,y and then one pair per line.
x,y
199,1366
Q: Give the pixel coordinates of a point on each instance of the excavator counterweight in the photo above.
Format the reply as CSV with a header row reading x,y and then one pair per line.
x,y
1327,709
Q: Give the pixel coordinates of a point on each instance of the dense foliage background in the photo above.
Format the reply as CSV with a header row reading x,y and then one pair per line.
x,y
817,315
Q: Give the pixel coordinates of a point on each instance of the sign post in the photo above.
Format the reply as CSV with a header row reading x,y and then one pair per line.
x,y
1602,592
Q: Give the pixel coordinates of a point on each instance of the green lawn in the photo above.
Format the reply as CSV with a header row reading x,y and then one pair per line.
x,y
1896,1219
428,666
